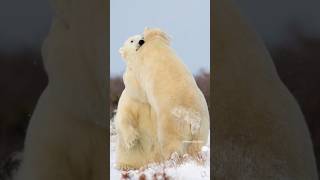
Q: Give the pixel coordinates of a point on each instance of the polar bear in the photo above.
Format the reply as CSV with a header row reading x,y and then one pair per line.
x,y
260,131
158,82
67,135
135,122
136,128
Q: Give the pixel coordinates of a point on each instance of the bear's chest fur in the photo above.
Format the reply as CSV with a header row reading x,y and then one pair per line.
x,y
133,86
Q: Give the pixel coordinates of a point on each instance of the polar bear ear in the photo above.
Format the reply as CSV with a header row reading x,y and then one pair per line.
x,y
146,28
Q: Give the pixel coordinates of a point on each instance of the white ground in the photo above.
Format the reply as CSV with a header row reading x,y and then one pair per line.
x,y
188,170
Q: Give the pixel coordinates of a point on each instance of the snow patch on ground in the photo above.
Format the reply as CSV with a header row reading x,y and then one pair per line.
x,y
187,170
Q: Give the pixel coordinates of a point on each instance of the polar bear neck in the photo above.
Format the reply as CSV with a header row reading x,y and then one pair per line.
x,y
160,40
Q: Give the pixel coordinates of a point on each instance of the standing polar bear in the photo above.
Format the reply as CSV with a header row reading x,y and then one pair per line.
x,y
161,110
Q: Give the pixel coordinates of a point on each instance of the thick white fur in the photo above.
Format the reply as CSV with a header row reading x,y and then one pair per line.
x,y
175,112
66,137
136,127
260,132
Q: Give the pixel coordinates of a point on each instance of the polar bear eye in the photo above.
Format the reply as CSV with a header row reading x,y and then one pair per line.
x,y
131,41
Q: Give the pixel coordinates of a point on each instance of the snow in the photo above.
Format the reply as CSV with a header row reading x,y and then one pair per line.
x,y
171,169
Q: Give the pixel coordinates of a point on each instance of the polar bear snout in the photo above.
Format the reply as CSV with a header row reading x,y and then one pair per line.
x,y
131,46
141,42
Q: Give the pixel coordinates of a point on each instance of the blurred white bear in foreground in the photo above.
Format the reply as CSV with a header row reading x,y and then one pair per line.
x,y
67,135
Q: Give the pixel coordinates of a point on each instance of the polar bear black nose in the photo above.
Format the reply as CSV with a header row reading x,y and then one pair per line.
x,y
141,42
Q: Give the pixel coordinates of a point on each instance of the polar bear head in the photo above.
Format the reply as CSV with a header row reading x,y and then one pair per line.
x,y
155,33
131,46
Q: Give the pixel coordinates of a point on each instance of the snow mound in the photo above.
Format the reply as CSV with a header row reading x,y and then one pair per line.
x,y
183,168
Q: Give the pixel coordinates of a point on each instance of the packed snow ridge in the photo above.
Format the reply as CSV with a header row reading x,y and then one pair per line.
x,y
176,168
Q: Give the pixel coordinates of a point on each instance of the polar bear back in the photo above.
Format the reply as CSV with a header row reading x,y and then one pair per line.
x,y
165,77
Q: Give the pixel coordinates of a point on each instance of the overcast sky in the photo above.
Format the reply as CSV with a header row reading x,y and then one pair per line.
x,y
189,26
24,23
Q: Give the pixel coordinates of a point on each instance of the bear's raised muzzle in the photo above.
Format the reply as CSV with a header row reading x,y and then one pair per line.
x,y
141,42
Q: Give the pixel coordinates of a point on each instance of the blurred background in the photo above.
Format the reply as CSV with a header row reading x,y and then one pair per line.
x,y
188,25
291,31
23,27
